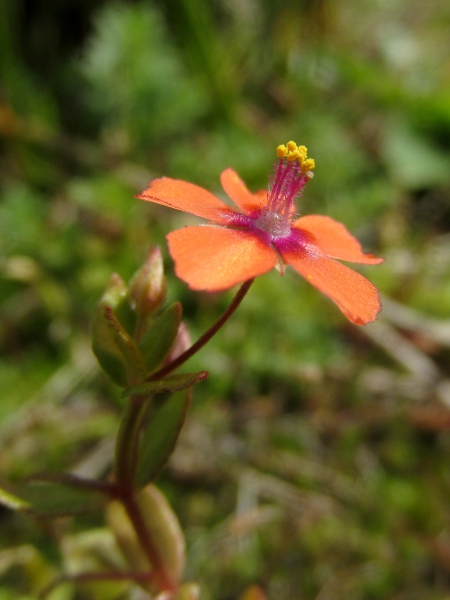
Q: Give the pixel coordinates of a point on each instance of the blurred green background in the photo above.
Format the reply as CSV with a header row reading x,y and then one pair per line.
x,y
315,459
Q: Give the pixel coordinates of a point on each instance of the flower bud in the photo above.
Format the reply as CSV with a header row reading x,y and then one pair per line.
x,y
148,286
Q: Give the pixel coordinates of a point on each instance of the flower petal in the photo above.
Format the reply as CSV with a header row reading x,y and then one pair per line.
x,y
214,258
237,190
334,240
182,195
357,298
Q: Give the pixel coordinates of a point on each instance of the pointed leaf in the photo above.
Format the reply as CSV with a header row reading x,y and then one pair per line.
x,y
52,498
160,336
172,383
160,436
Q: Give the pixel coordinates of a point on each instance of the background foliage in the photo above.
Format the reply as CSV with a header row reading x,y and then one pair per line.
x,y
315,460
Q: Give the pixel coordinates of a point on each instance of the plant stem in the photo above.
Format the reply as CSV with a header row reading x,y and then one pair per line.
x,y
125,490
204,339
127,442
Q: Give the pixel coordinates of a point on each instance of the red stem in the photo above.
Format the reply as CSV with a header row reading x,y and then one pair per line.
x,y
204,339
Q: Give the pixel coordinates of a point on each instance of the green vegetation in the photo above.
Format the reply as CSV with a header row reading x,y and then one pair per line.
x,y
314,460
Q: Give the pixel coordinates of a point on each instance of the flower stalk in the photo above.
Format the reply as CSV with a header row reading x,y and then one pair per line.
x,y
204,339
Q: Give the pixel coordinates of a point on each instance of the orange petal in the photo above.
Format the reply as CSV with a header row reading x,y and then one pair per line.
x,y
182,195
214,258
357,298
334,240
240,194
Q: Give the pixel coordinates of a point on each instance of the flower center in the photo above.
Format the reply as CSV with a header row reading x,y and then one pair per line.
x,y
291,173
273,223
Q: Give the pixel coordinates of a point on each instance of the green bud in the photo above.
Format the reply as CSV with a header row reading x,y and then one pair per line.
x,y
148,286
161,526
126,537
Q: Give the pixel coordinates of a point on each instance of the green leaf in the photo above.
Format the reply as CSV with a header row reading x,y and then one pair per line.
x,y
160,436
172,383
114,348
143,406
53,498
160,336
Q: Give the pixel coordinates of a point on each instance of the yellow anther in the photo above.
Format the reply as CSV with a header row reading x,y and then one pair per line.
x,y
303,150
308,165
291,146
281,151
294,155
292,152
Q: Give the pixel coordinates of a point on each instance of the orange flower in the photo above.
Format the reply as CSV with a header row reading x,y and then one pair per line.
x,y
237,246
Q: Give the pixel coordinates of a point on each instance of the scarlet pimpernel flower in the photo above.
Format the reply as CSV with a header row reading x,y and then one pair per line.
x,y
238,245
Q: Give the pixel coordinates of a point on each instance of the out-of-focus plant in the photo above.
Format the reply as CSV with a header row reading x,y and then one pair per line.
x,y
136,83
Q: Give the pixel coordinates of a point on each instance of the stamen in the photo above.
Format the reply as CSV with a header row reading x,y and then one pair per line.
x,y
291,146
308,165
281,151
291,173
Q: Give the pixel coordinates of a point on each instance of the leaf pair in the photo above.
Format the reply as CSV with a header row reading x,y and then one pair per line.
x,y
150,426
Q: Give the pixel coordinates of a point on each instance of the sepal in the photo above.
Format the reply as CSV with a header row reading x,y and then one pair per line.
x,y
113,346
